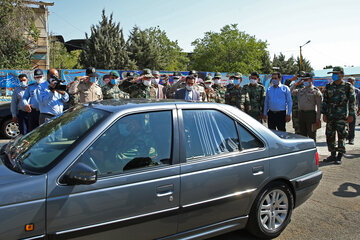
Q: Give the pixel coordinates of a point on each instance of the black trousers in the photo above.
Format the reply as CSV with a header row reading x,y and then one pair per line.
x,y
23,121
34,119
277,120
306,120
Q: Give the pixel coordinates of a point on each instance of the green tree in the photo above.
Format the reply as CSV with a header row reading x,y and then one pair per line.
x,y
285,66
266,64
17,30
231,50
106,47
61,59
305,64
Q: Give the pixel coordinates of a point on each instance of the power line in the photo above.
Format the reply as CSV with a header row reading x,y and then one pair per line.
x,y
68,22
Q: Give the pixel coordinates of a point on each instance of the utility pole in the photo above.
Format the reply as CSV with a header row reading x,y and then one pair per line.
x,y
301,55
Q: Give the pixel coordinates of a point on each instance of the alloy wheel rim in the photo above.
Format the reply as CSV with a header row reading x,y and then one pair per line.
x,y
274,208
12,129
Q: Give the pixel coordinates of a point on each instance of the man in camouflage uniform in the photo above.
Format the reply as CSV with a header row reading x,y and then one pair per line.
x,y
211,94
74,99
309,105
338,109
295,109
144,89
257,95
236,96
111,89
127,82
218,88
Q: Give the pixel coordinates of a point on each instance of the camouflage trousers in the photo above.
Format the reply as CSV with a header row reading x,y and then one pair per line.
x,y
256,115
334,126
296,122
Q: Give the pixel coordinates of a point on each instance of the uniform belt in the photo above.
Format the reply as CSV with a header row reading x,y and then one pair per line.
x,y
307,110
277,111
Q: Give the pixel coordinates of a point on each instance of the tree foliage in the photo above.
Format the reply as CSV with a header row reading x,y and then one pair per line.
x,y
61,59
151,48
17,32
231,50
106,47
305,64
285,66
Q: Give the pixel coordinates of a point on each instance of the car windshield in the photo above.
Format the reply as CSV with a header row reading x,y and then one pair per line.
x,y
37,151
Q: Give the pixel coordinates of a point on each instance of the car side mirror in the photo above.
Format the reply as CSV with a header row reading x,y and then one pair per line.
x,y
81,174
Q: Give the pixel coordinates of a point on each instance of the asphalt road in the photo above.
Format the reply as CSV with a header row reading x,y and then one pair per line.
x,y
333,211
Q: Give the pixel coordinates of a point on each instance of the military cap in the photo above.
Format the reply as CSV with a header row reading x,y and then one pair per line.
x,y
307,75
147,73
91,72
193,72
128,75
38,73
337,69
114,74
217,75
236,75
208,79
177,75
351,79
156,73
190,76
255,74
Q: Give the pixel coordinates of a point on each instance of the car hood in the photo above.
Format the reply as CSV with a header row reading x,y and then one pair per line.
x,y
16,187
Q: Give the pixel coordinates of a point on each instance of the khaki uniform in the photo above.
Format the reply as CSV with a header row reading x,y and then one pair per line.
x,y
88,92
309,109
295,110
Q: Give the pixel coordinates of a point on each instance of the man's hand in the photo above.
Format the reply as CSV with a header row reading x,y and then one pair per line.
x,y
28,108
287,118
265,117
350,119
15,119
324,118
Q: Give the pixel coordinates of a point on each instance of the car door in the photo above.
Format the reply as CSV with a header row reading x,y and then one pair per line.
x,y
219,171
136,195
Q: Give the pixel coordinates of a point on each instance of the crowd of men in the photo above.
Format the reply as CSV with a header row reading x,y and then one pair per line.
x,y
299,99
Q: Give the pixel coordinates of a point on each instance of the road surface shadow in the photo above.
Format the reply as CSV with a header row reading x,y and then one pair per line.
x,y
236,235
345,190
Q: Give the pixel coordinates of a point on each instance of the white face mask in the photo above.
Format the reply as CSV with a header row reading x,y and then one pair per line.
x,y
217,81
253,81
147,83
231,81
155,80
39,80
208,85
189,88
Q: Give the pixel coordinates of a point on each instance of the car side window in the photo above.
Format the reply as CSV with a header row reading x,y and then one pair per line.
x,y
248,140
133,142
209,132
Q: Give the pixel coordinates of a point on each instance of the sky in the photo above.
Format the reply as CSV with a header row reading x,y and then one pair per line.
x,y
332,26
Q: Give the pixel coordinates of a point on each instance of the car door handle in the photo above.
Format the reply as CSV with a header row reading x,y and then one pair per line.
x,y
165,190
258,170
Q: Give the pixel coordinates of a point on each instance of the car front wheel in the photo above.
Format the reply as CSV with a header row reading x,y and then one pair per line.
x,y
9,129
271,211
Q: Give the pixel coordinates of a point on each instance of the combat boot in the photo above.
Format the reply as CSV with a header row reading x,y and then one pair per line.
x,y
331,158
339,158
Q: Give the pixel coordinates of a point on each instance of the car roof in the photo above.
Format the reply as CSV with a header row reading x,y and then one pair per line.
x,y
115,105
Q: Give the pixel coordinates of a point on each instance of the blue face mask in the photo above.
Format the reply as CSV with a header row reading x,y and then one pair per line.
x,y
236,81
123,130
335,77
23,84
306,84
113,81
93,79
275,82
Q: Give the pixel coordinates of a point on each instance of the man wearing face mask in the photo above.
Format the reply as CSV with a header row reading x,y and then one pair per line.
x,y
230,83
144,89
17,107
188,93
278,104
236,96
338,109
31,100
220,90
309,105
160,89
87,87
111,89
177,79
257,94
211,94
197,85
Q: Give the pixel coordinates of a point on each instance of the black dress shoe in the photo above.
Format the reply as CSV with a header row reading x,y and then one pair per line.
x,y
351,142
331,158
338,158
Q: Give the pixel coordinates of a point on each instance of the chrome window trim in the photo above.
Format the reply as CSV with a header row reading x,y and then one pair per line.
x,y
235,194
115,221
36,237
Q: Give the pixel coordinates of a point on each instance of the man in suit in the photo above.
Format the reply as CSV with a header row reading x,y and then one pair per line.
x,y
188,92
160,89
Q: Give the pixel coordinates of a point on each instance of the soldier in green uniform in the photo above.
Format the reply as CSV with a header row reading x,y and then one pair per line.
x,y
144,89
127,82
111,89
236,96
338,109
211,94
74,99
220,90
257,95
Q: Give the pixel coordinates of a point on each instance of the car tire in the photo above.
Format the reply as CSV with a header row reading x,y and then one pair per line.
x,y
9,129
271,211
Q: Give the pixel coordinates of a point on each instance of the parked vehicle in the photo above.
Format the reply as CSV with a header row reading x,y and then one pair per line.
x,y
138,169
9,129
